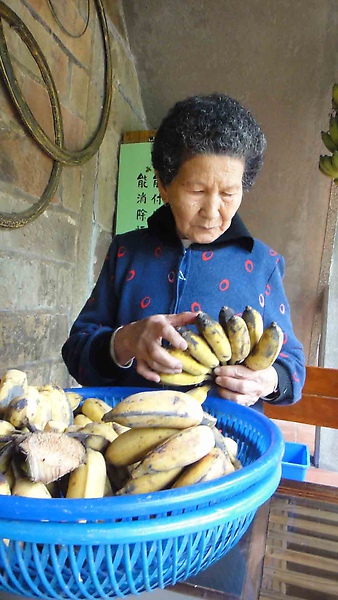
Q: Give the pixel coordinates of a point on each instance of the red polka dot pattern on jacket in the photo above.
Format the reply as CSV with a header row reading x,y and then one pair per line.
x,y
224,285
130,275
145,302
195,307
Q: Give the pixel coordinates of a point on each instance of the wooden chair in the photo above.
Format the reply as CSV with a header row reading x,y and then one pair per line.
x,y
318,404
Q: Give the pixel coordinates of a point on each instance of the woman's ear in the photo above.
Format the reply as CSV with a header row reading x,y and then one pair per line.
x,y
161,188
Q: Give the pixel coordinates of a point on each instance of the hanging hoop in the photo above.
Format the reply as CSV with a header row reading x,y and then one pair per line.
x,y
62,155
12,220
56,18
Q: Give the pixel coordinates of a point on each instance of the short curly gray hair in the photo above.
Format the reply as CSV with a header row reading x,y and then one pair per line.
x,y
213,124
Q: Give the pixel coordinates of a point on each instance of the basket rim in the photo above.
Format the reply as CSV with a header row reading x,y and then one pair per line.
x,y
233,484
89,533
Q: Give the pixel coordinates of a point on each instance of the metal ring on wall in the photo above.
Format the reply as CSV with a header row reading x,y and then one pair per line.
x,y
56,18
14,220
67,157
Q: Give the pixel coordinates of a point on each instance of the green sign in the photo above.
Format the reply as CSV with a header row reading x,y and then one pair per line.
x,y
137,196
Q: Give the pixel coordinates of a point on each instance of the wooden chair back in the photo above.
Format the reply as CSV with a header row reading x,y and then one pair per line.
x,y
318,404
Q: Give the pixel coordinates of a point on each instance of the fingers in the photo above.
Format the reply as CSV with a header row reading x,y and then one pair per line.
x,y
147,343
244,386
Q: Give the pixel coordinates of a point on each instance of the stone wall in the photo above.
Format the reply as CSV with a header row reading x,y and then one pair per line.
x,y
48,267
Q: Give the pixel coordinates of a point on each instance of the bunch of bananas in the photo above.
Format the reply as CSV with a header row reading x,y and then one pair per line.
x,y
171,442
329,164
231,340
86,449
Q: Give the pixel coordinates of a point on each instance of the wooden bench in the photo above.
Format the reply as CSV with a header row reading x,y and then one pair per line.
x,y
318,404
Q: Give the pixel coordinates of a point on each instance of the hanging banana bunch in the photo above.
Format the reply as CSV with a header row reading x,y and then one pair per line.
x,y
329,164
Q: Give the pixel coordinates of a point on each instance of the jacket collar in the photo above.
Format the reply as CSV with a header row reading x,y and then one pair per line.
x,y
162,223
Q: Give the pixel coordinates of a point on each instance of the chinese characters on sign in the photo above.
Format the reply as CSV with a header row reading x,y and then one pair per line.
x,y
138,196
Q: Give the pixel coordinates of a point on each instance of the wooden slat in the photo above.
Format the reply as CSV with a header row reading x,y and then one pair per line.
x,y
319,402
303,489
303,580
302,558
311,526
314,512
301,539
271,595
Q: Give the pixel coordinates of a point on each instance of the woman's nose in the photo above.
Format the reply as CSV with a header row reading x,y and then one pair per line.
x,y
210,207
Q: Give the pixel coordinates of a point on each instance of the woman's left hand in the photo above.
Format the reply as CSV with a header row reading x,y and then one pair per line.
x,y
244,386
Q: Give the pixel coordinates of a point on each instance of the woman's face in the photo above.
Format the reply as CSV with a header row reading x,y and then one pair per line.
x,y
204,196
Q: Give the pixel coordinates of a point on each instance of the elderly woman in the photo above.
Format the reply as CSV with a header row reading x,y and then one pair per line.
x,y
195,255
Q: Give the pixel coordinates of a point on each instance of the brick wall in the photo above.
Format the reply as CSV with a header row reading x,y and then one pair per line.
x,y
48,267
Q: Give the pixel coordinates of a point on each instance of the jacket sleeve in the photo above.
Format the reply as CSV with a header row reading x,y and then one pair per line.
x,y
86,351
290,363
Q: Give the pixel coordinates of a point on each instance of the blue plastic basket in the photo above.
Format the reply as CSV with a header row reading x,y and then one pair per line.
x,y
117,546
295,461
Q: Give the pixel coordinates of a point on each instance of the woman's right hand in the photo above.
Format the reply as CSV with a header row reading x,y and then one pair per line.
x,y
143,339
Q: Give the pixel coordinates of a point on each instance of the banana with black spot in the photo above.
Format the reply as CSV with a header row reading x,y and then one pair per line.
x,y
199,348
189,364
239,339
215,336
254,323
264,354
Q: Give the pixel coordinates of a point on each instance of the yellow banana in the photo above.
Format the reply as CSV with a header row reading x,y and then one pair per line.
x,y
254,323
5,489
224,315
81,420
178,451
228,446
75,399
189,364
108,490
44,414
119,429
239,339
215,464
6,428
22,410
199,348
13,383
151,482
133,445
215,336
89,479
95,408
267,349
181,379
231,446
57,426
157,408
60,405
99,435
23,486
200,392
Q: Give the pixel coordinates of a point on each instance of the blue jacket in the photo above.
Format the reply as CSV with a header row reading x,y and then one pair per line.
x,y
148,271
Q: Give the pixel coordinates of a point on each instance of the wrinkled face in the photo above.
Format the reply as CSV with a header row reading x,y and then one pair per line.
x,y
204,196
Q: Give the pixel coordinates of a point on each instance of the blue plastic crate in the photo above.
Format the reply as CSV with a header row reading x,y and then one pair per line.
x,y
296,461
116,546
